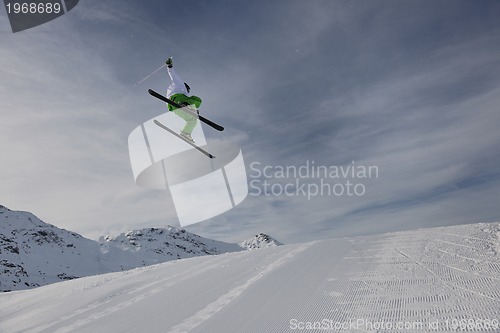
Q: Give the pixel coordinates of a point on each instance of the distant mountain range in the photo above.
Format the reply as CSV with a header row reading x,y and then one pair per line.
x,y
34,253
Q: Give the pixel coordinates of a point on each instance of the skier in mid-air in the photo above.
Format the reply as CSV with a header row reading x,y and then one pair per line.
x,y
178,92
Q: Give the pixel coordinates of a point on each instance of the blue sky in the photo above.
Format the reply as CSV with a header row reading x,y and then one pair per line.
x,y
411,87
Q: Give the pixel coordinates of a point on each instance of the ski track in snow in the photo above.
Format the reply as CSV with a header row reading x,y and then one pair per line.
x,y
225,299
415,277
123,297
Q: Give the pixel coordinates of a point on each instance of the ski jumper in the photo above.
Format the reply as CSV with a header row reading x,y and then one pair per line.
x,y
177,92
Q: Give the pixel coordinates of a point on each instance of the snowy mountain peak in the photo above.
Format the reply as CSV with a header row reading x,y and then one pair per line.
x,y
34,253
260,241
171,242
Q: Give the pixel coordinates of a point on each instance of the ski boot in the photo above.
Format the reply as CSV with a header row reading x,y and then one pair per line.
x,y
187,136
169,62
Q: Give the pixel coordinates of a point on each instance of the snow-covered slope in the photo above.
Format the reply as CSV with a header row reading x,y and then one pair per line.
x,y
428,280
260,241
34,253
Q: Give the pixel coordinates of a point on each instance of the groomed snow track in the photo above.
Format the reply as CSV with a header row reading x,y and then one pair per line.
x,y
426,279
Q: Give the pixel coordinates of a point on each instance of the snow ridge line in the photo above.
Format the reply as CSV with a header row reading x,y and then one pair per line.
x,y
450,285
224,300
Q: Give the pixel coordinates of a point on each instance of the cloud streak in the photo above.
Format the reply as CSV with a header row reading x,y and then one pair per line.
x,y
412,89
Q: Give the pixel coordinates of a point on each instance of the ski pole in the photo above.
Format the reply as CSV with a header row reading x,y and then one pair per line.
x,y
147,77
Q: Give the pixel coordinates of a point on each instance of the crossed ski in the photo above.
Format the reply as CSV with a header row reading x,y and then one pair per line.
x,y
191,112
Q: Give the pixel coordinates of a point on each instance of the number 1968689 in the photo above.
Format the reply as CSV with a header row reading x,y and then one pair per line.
x,y
34,8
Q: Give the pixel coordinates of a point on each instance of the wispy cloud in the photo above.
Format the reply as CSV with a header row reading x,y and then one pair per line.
x,y
412,89
429,124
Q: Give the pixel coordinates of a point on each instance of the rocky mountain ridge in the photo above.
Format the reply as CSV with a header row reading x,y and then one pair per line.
x,y
34,253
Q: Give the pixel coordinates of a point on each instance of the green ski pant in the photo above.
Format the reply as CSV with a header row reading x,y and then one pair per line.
x,y
191,121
